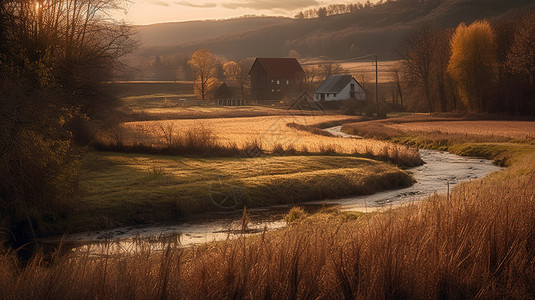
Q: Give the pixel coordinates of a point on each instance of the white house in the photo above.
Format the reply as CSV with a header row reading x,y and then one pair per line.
x,y
340,87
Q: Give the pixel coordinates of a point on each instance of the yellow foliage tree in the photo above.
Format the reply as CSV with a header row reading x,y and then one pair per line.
x,y
473,63
205,67
237,74
232,71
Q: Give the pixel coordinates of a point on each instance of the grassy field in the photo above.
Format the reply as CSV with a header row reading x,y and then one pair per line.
x,y
496,139
421,124
127,189
521,130
476,243
361,69
271,133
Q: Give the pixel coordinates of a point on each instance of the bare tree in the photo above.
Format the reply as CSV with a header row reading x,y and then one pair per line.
x,y
80,40
396,79
417,58
521,58
329,69
308,81
54,59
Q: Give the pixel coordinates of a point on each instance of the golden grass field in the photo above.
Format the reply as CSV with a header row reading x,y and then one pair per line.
x,y
454,129
362,68
270,132
508,129
477,243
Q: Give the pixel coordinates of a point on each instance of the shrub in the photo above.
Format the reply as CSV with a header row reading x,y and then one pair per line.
x,y
295,214
39,166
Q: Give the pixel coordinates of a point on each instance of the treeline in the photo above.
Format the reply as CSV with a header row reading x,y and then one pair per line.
x,y
54,56
377,30
340,9
481,67
156,67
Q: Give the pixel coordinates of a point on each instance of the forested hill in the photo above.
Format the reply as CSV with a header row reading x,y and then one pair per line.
x,y
163,34
375,29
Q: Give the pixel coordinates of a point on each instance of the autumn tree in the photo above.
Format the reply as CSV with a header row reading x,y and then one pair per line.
x,y
205,67
237,74
473,63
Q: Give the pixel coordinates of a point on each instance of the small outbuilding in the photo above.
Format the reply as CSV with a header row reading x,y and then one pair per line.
x,y
223,92
340,87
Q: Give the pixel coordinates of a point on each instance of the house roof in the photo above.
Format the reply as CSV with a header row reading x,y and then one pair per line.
x,y
334,84
279,67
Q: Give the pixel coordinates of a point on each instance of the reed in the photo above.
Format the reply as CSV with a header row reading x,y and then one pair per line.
x,y
232,137
478,243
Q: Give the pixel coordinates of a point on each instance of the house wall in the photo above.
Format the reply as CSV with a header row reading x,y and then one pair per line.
x,y
279,87
264,87
259,83
360,94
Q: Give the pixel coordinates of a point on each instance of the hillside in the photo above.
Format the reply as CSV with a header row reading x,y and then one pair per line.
x,y
377,29
183,32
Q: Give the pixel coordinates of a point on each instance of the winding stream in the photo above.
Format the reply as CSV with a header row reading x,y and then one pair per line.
x,y
441,171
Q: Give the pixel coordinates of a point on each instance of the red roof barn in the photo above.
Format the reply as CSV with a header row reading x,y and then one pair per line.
x,y
275,78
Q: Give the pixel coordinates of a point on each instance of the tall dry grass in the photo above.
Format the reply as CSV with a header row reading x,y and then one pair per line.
x,y
272,133
478,242
168,139
450,131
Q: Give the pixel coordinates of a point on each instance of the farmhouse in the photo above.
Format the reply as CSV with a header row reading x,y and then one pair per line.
x,y
339,87
275,78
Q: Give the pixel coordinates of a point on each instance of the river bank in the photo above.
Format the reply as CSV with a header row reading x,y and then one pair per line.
x,y
478,242
441,172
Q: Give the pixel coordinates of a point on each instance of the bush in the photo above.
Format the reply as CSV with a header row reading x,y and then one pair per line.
x,y
295,214
39,166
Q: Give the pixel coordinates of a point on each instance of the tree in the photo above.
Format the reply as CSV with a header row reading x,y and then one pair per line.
x,y
396,79
322,12
521,57
425,56
205,67
329,69
417,60
308,81
473,63
237,74
55,57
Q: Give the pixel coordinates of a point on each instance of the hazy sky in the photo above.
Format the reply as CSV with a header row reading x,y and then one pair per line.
x,y
158,11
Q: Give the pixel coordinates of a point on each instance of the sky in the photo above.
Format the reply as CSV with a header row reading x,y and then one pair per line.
x,y
142,12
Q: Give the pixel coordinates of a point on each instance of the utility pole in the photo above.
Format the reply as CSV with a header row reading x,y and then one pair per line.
x,y
376,87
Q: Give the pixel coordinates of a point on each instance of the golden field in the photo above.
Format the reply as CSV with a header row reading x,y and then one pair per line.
x,y
508,129
269,131
476,243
